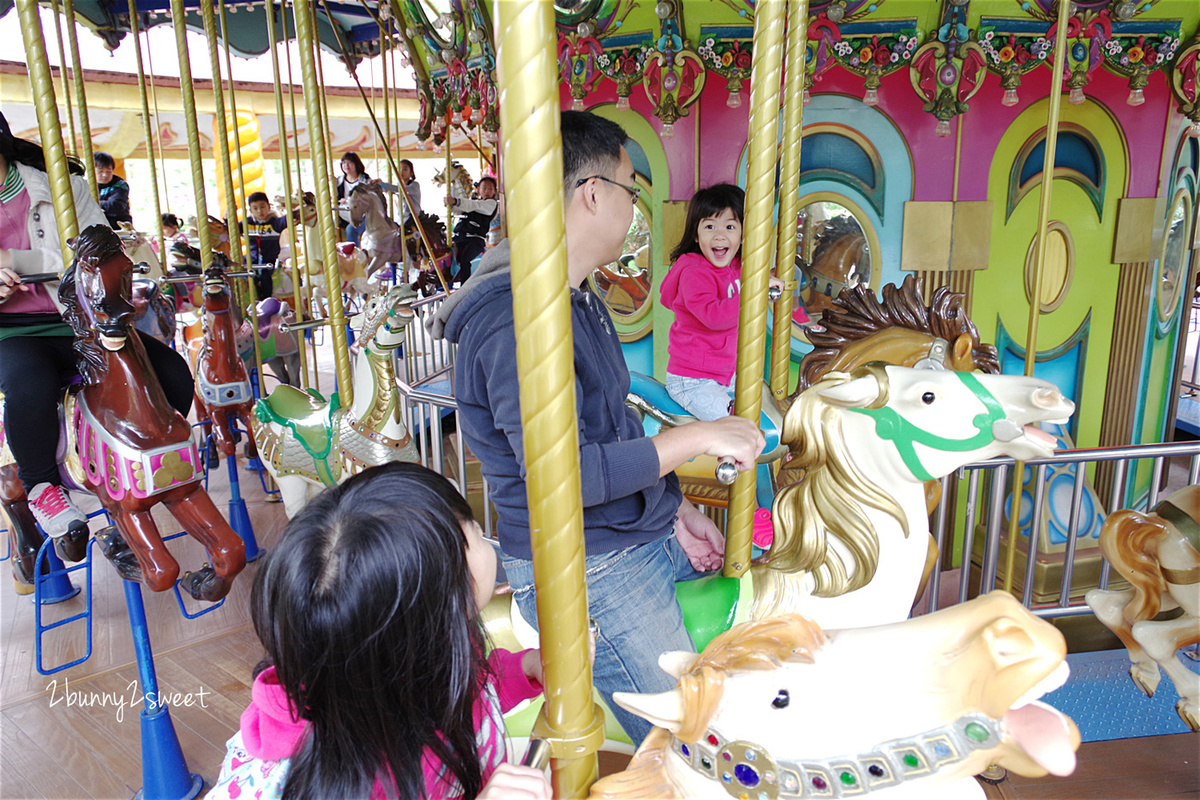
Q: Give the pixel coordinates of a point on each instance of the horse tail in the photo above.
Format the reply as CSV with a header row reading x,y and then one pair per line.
x,y
1127,540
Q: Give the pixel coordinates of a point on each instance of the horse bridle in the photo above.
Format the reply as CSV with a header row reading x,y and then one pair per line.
x,y
939,351
745,769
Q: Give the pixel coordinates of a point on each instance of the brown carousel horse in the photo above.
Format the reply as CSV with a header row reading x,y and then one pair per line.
x,y
838,263
124,441
427,282
900,329
1159,554
223,390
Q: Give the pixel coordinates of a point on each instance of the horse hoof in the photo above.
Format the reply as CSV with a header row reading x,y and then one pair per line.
x,y
118,552
1145,679
214,458
1189,713
24,561
20,588
205,584
72,546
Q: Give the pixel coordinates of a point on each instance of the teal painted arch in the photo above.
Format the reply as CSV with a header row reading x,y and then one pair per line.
x,y
884,209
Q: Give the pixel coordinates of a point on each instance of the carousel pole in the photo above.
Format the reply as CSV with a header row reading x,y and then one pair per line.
x,y
756,262
303,12
148,131
293,208
449,191
66,87
49,126
1035,302
85,126
162,152
528,82
789,198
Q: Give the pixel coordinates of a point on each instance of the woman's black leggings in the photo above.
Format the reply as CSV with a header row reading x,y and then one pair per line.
x,y
33,372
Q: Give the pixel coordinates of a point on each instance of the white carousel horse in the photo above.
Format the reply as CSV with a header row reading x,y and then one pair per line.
x,y
1159,554
779,708
351,260
383,240
460,184
138,248
308,443
852,538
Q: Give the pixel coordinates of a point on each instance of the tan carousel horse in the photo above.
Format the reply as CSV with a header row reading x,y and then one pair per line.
x,y
838,263
782,709
1159,554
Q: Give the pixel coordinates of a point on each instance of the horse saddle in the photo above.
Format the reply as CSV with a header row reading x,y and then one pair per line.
x,y
308,415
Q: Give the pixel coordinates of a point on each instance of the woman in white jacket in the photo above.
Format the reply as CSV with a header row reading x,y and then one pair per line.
x,y
36,354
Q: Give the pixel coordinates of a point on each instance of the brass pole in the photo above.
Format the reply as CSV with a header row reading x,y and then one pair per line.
x,y
789,197
148,130
322,101
162,153
1035,302
66,87
292,205
321,176
449,168
85,126
187,91
49,126
529,112
756,261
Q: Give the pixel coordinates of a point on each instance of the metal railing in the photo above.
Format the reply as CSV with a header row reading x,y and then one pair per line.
x,y
424,355
998,497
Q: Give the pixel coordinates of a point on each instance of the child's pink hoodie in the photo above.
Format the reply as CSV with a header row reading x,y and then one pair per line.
x,y
257,757
703,338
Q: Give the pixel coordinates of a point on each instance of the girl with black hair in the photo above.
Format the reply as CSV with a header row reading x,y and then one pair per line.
x,y
37,357
703,288
378,685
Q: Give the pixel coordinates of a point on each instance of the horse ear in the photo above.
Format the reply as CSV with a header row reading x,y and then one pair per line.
x,y
663,710
676,662
962,348
855,393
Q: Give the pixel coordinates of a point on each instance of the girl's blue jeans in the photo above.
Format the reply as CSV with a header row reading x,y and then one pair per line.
x,y
631,595
703,398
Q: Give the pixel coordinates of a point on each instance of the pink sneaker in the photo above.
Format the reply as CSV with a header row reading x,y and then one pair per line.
x,y
54,511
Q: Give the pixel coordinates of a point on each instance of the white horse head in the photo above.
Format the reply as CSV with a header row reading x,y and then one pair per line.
x,y
383,319
850,531
779,709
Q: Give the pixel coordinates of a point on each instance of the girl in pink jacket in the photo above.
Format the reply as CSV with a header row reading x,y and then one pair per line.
x,y
703,288
377,684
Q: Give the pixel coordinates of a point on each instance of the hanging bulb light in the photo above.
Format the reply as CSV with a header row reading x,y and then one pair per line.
x,y
735,100
668,130
1136,97
623,102
943,127
1010,98
807,97
489,137
577,104
871,97
1076,96
1194,130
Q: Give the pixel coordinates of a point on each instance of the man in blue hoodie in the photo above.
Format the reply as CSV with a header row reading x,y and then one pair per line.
x,y
640,534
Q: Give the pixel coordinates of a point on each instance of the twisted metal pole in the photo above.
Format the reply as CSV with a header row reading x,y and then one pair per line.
x,y
305,33
85,126
789,198
49,126
756,262
187,91
147,130
529,113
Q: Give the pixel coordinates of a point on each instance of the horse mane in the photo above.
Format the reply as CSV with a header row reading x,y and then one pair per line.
x,y
821,502
753,646
832,231
93,247
857,314
1124,541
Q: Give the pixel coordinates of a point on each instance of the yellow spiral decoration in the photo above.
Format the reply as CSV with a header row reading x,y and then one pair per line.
x,y
243,135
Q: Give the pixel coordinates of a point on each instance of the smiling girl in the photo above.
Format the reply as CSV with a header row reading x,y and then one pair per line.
x,y
703,288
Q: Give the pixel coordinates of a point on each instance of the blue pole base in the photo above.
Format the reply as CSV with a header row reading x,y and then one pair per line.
x,y
55,587
239,517
165,774
255,464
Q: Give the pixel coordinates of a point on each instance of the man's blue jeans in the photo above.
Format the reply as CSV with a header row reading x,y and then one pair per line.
x,y
631,595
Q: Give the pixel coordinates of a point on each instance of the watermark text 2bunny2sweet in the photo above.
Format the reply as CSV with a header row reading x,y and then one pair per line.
x,y
132,698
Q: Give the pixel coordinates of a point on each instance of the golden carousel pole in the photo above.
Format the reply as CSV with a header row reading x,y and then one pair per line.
x,y
293,207
1035,302
187,91
303,12
789,198
756,261
148,129
529,113
49,126
85,127
66,87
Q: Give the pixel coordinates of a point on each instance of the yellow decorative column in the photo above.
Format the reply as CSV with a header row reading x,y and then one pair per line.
x,y
789,199
756,261
49,126
321,177
529,115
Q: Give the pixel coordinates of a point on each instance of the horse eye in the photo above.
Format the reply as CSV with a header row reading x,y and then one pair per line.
x,y
928,398
782,699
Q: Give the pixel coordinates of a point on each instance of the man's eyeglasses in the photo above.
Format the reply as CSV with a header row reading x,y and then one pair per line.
x,y
634,191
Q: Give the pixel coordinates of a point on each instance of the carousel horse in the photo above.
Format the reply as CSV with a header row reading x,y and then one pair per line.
x,y
309,443
278,349
382,240
858,328
427,282
123,441
780,708
1159,554
625,286
154,312
351,260
838,263
460,184
138,248
223,390
848,548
